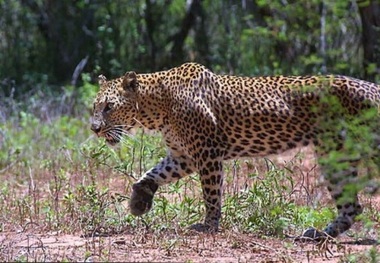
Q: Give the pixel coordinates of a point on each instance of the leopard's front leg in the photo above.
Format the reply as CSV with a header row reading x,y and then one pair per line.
x,y
170,169
211,175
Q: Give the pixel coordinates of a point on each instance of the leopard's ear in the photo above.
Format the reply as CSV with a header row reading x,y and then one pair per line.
x,y
130,81
102,80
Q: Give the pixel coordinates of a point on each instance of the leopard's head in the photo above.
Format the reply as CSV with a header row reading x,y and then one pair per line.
x,y
115,107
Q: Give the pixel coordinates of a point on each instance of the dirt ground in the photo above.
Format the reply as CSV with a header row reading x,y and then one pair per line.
x,y
33,244
226,246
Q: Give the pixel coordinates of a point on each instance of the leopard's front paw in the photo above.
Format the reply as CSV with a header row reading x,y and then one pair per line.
x,y
141,199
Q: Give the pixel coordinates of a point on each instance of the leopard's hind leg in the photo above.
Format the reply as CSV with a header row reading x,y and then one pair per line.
x,y
344,189
339,157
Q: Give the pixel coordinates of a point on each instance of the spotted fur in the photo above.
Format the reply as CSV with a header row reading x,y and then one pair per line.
x,y
207,118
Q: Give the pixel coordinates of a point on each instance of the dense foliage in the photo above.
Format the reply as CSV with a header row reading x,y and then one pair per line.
x,y
52,42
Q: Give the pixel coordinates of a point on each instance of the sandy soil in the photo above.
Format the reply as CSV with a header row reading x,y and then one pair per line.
x,y
226,246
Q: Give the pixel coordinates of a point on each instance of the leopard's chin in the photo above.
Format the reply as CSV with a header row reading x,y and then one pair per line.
x,y
112,139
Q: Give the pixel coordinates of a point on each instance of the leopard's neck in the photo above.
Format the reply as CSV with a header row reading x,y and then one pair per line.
x,y
151,103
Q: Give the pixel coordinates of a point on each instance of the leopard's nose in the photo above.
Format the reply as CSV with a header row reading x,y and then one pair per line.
x,y
95,128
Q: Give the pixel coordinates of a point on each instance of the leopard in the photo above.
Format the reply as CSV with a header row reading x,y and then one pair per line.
x,y
206,118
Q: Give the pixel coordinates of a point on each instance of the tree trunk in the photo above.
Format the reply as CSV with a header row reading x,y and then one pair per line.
x,y
193,12
68,31
370,16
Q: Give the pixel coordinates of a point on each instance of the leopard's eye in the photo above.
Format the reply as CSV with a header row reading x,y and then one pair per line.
x,y
108,107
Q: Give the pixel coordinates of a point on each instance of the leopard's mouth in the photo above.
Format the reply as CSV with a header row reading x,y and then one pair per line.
x,y
112,135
